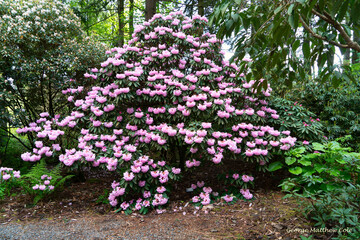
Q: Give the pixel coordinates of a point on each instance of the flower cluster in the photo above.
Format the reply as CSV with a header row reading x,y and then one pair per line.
x,y
246,193
8,180
45,184
148,199
204,198
8,173
168,92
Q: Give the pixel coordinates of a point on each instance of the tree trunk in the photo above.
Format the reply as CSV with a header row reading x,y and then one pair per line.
x,y
150,9
131,17
201,10
121,22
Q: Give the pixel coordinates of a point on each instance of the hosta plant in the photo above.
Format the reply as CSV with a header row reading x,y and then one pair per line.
x,y
165,103
329,175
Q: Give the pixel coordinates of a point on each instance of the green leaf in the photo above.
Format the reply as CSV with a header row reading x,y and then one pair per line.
x,y
290,9
37,198
295,45
318,146
298,151
336,6
343,10
306,49
290,160
229,24
295,170
278,9
292,21
304,162
334,172
275,166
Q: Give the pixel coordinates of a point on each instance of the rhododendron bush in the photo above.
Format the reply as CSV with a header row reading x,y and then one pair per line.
x,y
165,103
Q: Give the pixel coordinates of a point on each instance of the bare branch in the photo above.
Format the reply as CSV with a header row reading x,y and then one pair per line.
x,y
5,129
321,37
327,18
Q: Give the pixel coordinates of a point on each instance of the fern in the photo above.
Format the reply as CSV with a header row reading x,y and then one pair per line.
x,y
37,170
34,177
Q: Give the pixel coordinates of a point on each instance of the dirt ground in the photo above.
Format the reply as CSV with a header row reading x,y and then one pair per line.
x,y
269,216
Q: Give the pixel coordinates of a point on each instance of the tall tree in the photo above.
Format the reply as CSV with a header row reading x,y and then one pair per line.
x,y
309,31
131,17
201,7
150,9
120,12
201,10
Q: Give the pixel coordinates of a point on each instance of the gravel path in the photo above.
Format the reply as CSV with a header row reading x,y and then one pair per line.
x,y
94,228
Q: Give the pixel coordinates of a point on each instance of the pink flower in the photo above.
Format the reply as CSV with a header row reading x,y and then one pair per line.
x,y
172,110
286,132
274,116
200,184
155,174
235,176
246,193
274,143
176,170
247,178
249,152
206,125
189,164
206,201
39,144
6,176
196,199
147,194
305,142
161,189
142,183
128,176
228,198
124,205
201,133
139,114
207,190
216,134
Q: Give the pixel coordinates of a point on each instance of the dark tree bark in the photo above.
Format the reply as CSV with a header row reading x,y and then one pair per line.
x,y
201,10
121,22
150,9
131,17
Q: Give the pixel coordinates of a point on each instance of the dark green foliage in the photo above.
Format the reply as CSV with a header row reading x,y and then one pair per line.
x,y
338,209
303,124
329,174
338,108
